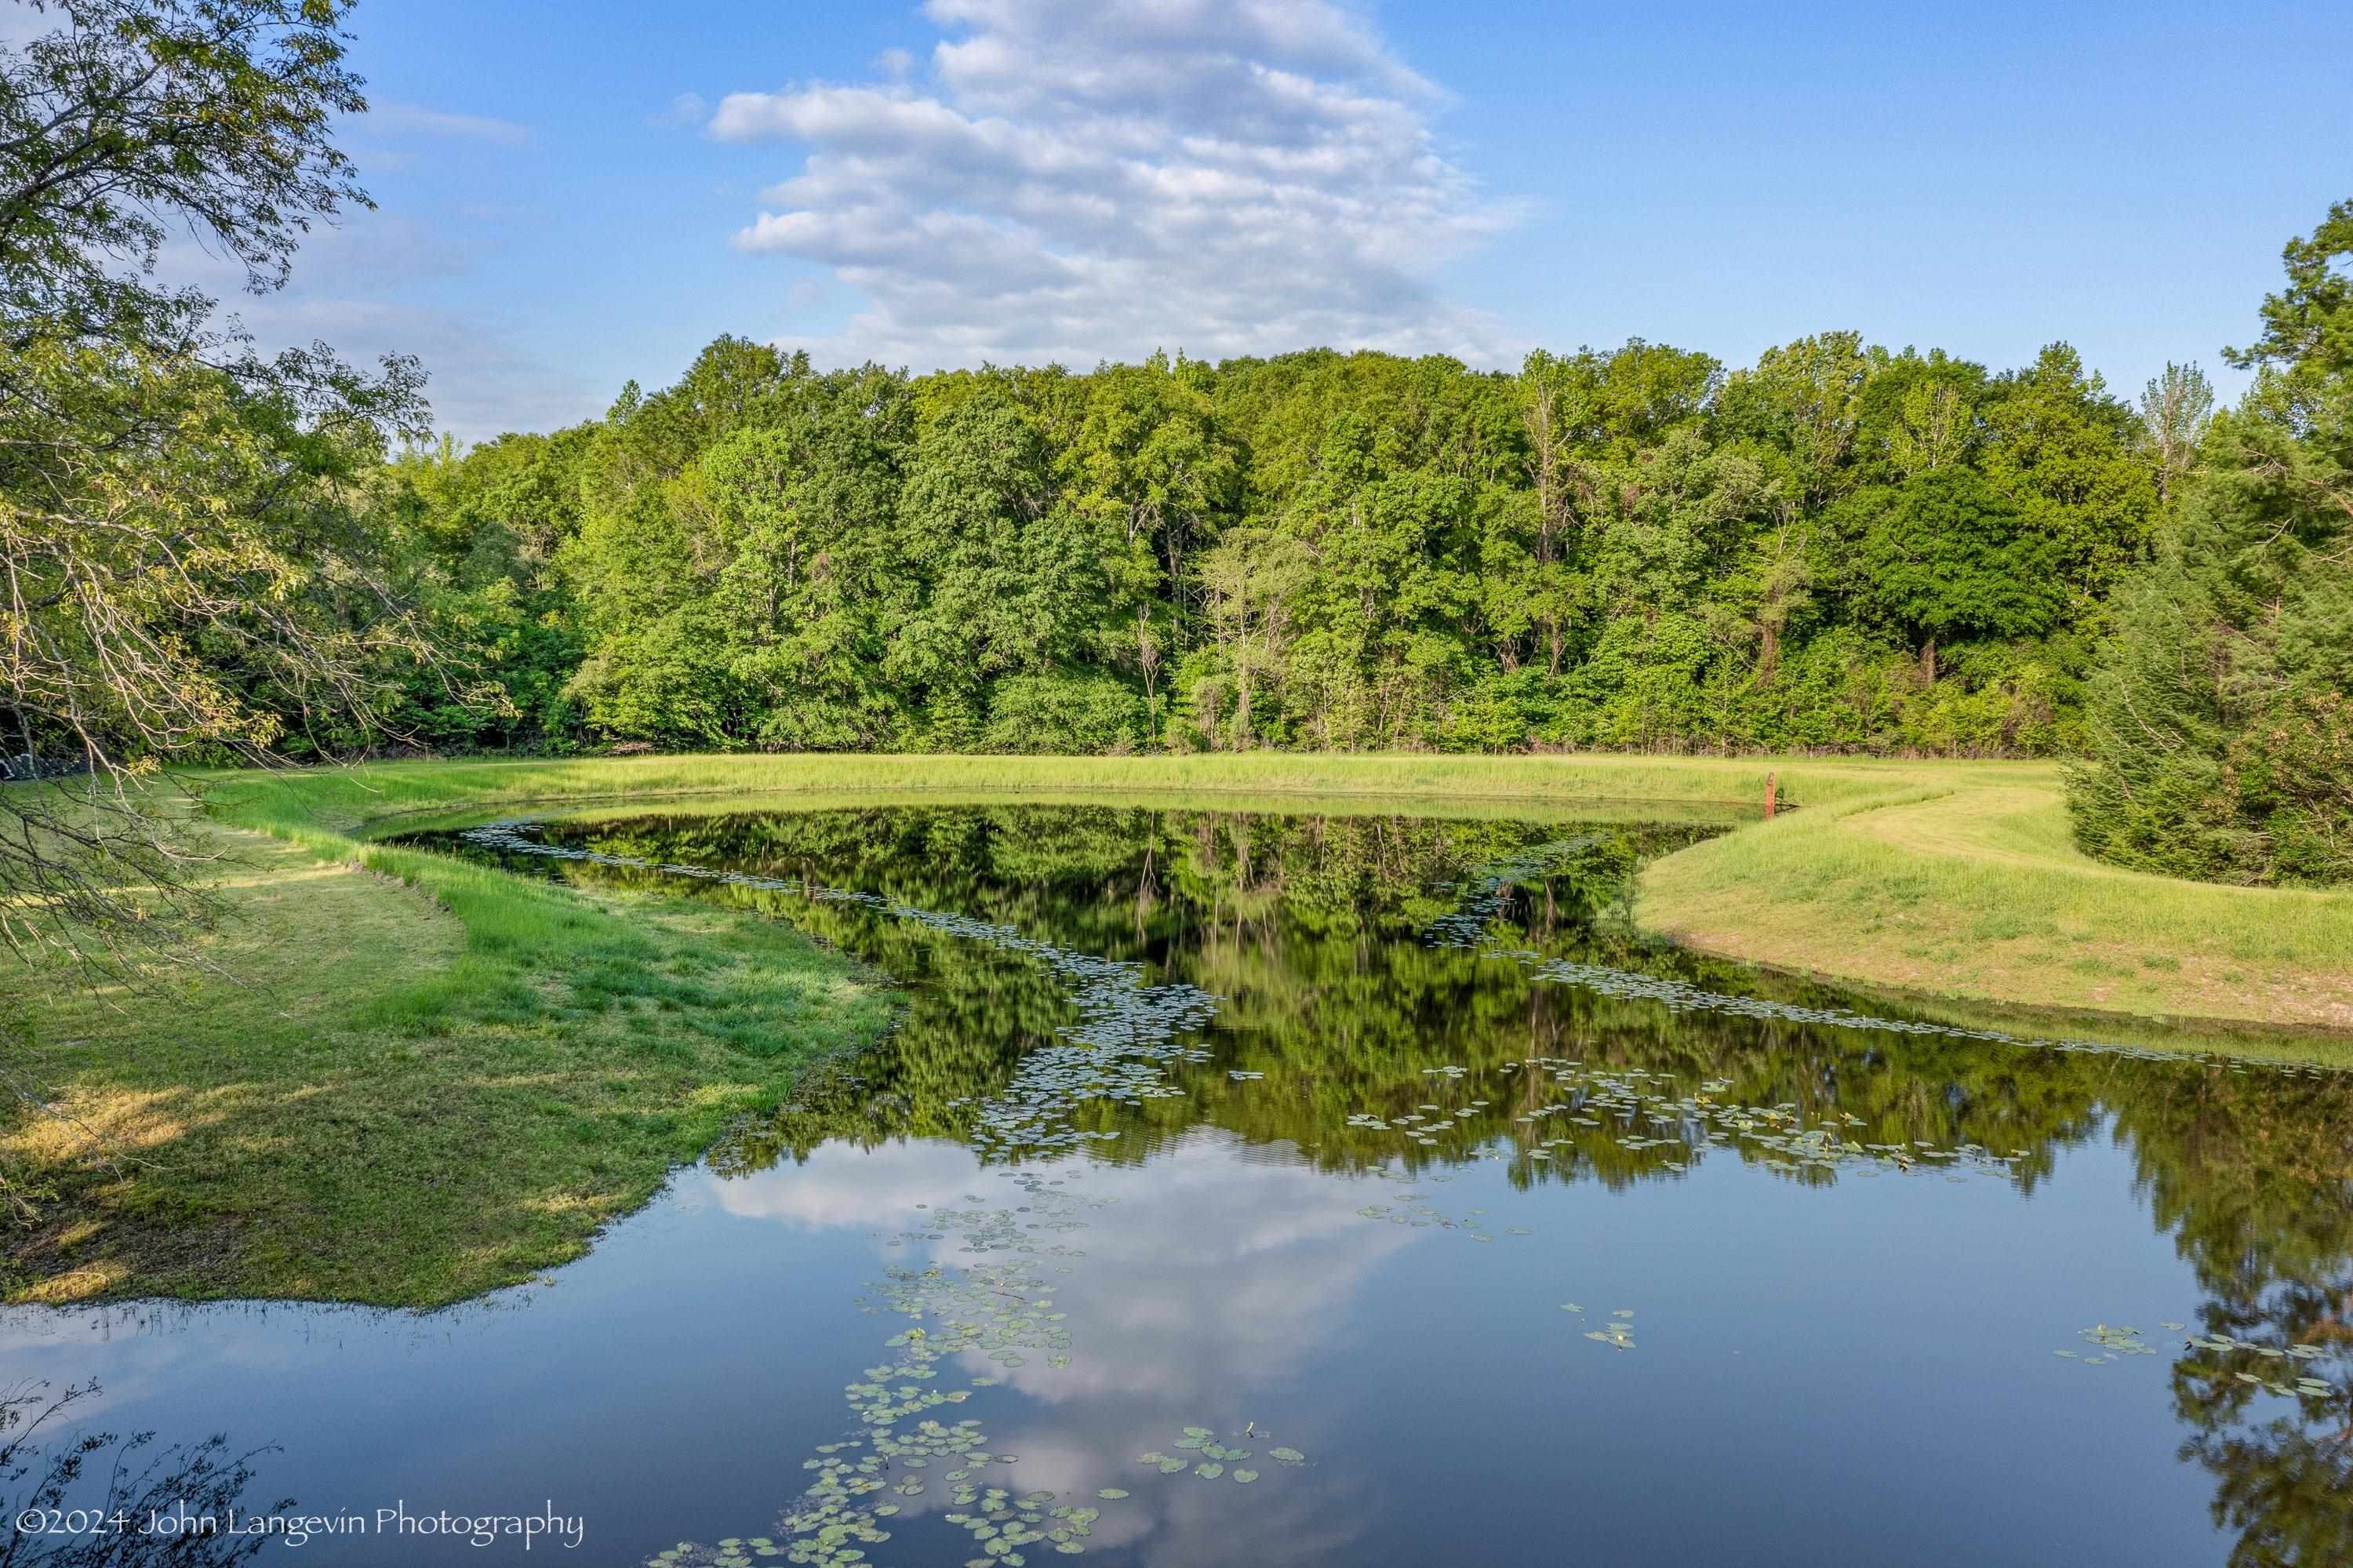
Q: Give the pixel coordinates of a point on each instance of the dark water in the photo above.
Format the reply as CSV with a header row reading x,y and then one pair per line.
x,y
1356,1146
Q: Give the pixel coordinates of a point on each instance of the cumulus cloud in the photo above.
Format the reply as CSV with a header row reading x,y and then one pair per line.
x,y
1073,181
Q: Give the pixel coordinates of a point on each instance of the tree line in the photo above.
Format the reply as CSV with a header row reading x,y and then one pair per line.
x,y
1839,547
216,554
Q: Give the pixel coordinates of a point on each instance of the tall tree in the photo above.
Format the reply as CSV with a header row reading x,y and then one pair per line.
x,y
1948,556
182,571
2221,737
2175,410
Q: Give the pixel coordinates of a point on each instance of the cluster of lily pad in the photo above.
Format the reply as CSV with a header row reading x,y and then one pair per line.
x,y
1418,1212
2273,1367
1003,1310
2113,1343
1483,896
1214,1456
1421,1124
1646,1109
1640,1110
1618,1333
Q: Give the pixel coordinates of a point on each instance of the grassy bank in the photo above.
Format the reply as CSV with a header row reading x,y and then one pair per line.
x,y
1948,879
401,1079
408,1078
1960,880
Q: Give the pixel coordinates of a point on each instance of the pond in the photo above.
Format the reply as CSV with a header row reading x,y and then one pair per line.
x,y
1338,1186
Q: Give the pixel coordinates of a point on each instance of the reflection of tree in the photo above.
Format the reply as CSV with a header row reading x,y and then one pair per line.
x,y
203,1479
2282,1488
2253,1175
1307,929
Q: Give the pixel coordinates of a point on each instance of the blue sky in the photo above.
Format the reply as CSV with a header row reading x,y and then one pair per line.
x,y
571,196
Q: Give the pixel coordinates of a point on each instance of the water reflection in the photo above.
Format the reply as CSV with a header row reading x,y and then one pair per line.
x,y
97,1499
1371,1211
1329,1011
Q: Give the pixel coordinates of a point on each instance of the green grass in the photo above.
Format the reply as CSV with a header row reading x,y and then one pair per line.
x,y
409,1078
1954,879
1959,880
403,1087
348,799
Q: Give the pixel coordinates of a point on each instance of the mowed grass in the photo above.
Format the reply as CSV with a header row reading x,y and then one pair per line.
x,y
405,1079
1960,880
348,799
402,1083
1954,880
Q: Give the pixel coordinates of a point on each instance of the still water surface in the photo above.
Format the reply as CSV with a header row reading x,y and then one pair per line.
x,y
1341,1188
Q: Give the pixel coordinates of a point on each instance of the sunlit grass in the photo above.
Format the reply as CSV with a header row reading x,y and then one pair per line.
x,y
1956,879
400,1091
1960,880
409,1086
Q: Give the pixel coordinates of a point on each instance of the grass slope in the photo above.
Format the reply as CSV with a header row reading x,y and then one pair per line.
x,y
422,1078
1961,881
403,1080
1956,880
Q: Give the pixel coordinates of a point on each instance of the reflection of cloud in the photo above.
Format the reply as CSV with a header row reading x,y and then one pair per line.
x,y
840,1187
1203,1267
1208,1281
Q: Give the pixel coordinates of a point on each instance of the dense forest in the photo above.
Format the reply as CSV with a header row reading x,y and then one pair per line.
x,y
215,554
1839,548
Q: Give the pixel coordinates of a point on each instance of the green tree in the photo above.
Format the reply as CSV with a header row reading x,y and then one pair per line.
x,y
2221,738
2063,451
1948,556
998,573
187,571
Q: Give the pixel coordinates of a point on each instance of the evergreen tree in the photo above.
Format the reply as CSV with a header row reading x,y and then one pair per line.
x,y
2222,739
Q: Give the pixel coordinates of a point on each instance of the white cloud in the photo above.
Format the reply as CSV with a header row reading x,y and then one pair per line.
x,y
414,117
1076,180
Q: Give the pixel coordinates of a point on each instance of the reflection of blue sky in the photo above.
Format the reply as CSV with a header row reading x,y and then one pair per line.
x,y
1863,1363
1206,1278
